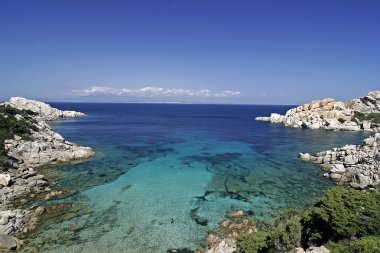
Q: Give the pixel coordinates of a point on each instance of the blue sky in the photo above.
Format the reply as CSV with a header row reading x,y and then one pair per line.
x,y
259,52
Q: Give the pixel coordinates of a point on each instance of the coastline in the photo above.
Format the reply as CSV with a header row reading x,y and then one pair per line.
x,y
20,182
234,224
356,166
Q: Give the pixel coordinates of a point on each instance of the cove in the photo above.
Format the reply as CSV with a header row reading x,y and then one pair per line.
x,y
165,175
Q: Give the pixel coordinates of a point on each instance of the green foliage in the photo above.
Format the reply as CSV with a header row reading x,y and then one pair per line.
x,y
341,120
285,235
287,232
256,243
9,126
338,247
337,219
343,213
360,117
368,244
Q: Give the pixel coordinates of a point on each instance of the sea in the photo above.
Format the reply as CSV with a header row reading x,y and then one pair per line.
x,y
166,175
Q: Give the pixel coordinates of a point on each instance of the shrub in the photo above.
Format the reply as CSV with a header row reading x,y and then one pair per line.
x,y
256,243
9,126
369,244
284,236
287,232
341,120
343,213
360,117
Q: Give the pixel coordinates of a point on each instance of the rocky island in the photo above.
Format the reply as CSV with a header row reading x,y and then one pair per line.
x,y
28,142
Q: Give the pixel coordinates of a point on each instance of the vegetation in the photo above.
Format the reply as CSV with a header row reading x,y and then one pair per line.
x,y
341,120
373,117
346,220
9,126
368,244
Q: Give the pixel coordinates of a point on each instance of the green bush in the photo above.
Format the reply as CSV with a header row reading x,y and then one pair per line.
x,y
369,244
9,126
259,242
341,216
341,120
343,213
287,232
360,117
285,235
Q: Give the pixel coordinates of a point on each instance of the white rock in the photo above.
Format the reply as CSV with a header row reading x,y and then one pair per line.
x,y
263,118
366,125
305,157
276,118
43,110
5,179
321,249
350,160
338,168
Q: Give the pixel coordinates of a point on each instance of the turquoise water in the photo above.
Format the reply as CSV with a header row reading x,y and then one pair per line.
x,y
165,175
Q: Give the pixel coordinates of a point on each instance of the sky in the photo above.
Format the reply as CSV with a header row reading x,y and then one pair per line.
x,y
200,51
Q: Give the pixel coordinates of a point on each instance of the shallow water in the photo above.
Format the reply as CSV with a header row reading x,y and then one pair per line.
x,y
165,175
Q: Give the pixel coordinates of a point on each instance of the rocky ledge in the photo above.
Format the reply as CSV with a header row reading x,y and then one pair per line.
x,y
19,182
356,165
42,110
354,115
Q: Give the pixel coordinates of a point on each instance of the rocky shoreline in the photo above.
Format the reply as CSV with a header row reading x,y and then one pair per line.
x,y
19,182
329,114
355,165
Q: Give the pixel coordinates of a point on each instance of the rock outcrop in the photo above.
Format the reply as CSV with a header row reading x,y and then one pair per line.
x,y
358,166
45,148
42,110
21,183
331,115
224,239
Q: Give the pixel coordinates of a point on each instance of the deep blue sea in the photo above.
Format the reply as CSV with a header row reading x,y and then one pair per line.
x,y
166,174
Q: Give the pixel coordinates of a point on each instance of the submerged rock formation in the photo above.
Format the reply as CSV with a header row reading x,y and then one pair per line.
x,y
354,115
358,166
19,182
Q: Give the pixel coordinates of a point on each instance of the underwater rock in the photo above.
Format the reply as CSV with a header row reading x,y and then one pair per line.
x,y
180,250
236,214
7,242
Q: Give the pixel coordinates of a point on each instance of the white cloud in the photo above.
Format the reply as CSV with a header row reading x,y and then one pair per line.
x,y
227,93
97,90
151,91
